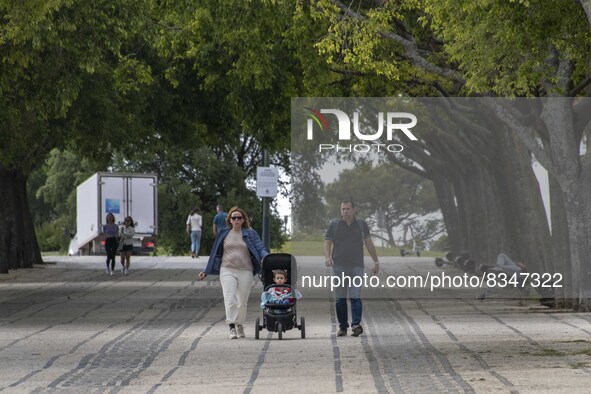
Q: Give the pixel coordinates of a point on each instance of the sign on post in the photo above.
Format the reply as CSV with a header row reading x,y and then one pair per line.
x,y
267,181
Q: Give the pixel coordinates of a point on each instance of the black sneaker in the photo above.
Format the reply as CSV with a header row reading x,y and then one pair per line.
x,y
342,332
357,330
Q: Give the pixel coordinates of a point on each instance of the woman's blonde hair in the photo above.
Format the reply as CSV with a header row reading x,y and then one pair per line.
x,y
246,221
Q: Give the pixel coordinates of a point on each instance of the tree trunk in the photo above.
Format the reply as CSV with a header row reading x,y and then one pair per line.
x,y
573,173
18,243
7,222
579,223
560,245
499,207
476,213
449,211
526,222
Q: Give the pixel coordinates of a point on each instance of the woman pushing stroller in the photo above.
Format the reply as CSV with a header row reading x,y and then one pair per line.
x,y
236,257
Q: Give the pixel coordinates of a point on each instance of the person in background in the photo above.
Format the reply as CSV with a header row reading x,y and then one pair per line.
x,y
236,257
504,265
110,230
126,235
343,252
219,220
194,223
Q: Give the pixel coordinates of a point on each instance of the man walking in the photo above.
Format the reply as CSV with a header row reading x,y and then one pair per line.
x,y
219,220
343,251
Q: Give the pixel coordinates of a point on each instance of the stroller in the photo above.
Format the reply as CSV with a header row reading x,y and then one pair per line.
x,y
279,317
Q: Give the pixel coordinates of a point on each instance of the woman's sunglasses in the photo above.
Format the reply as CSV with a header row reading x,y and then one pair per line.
x,y
236,217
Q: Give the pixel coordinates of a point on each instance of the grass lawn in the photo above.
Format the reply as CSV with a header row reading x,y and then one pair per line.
x,y
316,248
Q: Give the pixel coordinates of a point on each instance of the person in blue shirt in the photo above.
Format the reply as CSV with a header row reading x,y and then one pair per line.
x,y
219,220
236,257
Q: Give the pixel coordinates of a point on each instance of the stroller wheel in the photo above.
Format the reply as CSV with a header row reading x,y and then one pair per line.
x,y
256,328
303,327
280,330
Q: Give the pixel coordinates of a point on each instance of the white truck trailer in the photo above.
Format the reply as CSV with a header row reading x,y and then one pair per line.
x,y
122,194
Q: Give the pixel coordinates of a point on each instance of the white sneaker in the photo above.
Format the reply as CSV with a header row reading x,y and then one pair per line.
x,y
240,331
125,271
111,273
108,271
233,334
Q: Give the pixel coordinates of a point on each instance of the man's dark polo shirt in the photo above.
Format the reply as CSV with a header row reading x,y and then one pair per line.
x,y
348,241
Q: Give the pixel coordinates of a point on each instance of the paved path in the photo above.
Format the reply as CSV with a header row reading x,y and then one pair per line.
x,y
67,327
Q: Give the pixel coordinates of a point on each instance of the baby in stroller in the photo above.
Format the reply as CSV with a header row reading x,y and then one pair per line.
x,y
281,294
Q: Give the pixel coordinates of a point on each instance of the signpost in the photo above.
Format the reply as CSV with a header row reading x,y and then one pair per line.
x,y
267,185
267,181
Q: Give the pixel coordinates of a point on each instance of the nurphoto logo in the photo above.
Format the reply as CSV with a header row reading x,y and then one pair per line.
x,y
390,121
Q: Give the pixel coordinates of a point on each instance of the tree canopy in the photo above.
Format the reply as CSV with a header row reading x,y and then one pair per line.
x,y
166,87
490,48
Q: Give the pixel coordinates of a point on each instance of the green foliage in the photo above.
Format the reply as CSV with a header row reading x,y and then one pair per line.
x,y
64,171
190,179
52,188
57,64
52,196
441,244
40,210
385,187
308,210
366,42
505,47
51,238
193,92
177,200
402,197
509,48
235,54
